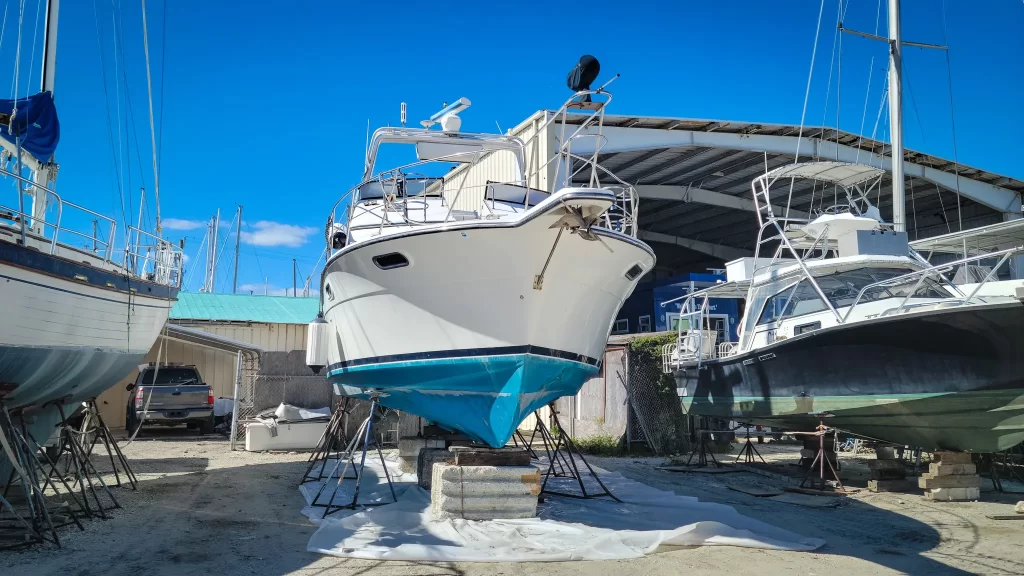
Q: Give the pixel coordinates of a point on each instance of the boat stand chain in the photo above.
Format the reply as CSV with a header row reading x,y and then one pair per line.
x,y
748,452
367,437
331,444
563,453
702,451
820,482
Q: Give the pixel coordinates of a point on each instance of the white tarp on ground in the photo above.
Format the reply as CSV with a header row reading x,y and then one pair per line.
x,y
567,528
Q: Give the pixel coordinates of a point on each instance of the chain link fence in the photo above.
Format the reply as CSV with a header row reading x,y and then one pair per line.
x,y
656,412
258,392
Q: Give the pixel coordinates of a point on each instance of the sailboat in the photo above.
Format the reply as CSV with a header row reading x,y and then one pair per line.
x,y
76,319
845,324
470,300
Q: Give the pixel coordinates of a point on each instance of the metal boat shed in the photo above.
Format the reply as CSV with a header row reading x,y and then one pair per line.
x,y
693,178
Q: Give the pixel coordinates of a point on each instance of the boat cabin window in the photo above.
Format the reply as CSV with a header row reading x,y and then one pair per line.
x,y
411,186
841,289
794,301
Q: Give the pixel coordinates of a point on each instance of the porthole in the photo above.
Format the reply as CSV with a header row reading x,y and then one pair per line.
x,y
329,292
633,272
390,261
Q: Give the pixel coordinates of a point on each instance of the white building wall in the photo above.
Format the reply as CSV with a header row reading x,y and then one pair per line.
x,y
464,186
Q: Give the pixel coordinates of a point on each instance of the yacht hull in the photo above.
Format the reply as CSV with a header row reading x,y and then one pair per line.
x,y
947,379
462,336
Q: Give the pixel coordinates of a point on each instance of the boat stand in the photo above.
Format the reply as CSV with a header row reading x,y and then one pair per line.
x,y
820,482
519,441
365,434
994,464
564,453
93,431
748,452
25,515
702,451
332,443
78,467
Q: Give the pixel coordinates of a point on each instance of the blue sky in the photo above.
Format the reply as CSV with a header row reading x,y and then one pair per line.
x,y
265,104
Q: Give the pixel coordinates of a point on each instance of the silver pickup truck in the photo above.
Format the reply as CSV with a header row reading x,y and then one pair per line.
x,y
179,396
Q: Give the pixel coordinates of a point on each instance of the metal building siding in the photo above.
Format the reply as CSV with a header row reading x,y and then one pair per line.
x,y
216,367
501,167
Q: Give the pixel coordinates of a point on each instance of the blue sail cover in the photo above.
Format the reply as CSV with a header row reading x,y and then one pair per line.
x,y
36,125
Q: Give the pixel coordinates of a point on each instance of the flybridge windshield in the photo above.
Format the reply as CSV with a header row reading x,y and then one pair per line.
x,y
842,288
409,186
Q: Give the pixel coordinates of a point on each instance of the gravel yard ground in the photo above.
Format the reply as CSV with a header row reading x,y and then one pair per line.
x,y
202,509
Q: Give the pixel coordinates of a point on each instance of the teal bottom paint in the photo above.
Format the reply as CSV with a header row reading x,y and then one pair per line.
x,y
483,397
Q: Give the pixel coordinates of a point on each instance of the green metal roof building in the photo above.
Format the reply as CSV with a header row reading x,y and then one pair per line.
x,y
207,307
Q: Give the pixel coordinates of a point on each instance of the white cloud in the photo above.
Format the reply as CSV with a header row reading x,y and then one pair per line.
x,y
267,233
258,289
180,224
185,258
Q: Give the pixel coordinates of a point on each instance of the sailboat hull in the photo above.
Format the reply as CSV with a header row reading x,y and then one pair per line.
x,y
69,332
948,379
465,335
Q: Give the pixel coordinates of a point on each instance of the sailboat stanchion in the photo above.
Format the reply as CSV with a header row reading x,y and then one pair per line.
x,y
565,452
365,434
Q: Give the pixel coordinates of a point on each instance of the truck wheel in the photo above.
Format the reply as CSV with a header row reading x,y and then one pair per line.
x,y
206,426
133,424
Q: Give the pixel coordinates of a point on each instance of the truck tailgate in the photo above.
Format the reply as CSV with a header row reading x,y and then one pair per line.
x,y
171,397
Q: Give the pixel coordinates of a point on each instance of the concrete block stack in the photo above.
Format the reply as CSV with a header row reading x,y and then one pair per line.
x,y
484,492
952,478
428,456
887,472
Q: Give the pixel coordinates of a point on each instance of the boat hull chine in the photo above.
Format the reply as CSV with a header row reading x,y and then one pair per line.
x,y
502,389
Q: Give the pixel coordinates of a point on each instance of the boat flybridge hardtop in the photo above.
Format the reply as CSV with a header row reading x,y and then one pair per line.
x,y
845,323
79,312
475,294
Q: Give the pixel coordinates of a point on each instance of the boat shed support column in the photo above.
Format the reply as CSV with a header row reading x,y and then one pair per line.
x,y
1016,262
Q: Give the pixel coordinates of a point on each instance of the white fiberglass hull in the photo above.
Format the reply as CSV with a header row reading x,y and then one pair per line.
x,y
460,335
64,338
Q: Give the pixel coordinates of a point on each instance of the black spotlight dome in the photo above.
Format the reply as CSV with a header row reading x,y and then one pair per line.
x,y
583,74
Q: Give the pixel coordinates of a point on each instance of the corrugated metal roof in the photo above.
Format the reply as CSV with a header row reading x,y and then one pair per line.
x,y
244,308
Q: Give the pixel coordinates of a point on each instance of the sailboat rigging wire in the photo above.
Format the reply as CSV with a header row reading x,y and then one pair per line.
x,y
119,33
117,99
828,85
867,93
807,94
881,108
32,53
942,205
163,69
106,105
17,63
952,122
193,268
223,245
3,28
152,124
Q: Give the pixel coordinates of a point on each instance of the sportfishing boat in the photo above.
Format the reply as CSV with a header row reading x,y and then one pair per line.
x,y
79,313
846,324
473,300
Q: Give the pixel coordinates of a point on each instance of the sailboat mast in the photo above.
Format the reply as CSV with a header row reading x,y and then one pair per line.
x,y
50,45
41,176
899,197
